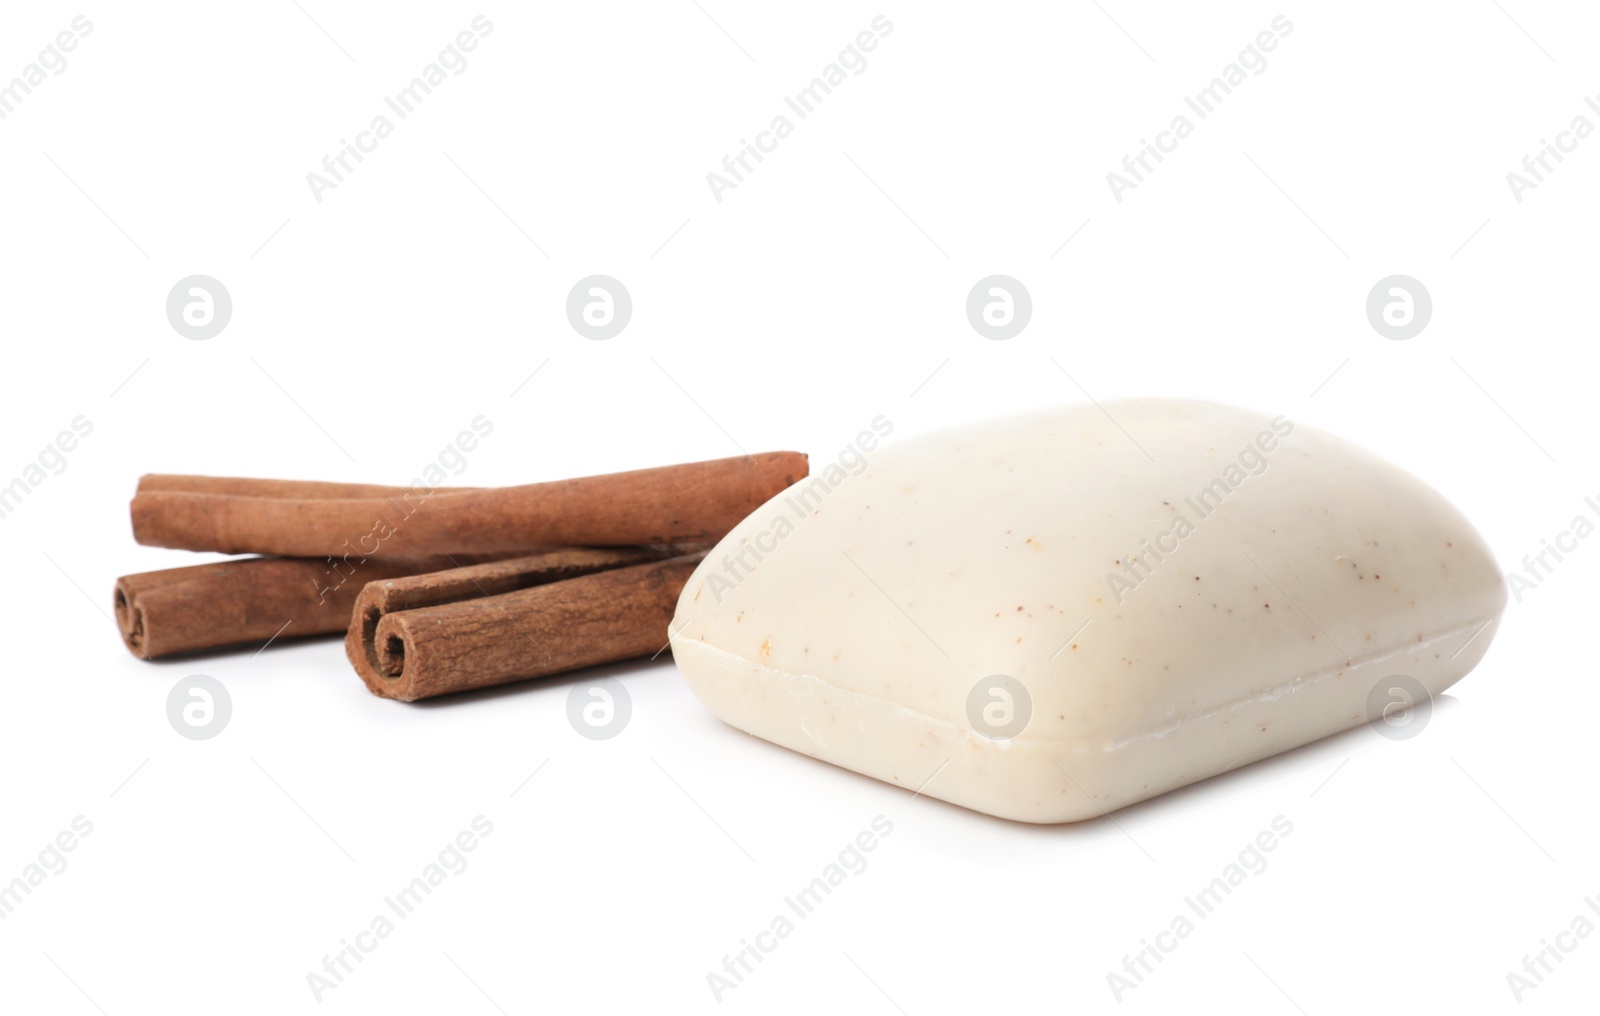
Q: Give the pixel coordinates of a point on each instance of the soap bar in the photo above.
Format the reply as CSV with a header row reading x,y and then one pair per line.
x,y
1053,616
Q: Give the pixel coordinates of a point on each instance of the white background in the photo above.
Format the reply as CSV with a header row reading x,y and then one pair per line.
x,y
826,289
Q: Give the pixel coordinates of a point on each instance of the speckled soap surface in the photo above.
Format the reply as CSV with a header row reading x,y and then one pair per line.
x,y
1049,617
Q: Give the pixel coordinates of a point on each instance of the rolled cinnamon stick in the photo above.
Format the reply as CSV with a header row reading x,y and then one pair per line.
x,y
381,598
408,643
233,603
693,502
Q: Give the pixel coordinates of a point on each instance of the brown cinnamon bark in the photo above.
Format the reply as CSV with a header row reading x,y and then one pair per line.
x,y
251,487
432,635
381,598
232,603
693,502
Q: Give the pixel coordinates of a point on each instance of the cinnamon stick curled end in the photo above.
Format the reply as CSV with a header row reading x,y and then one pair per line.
x,y
428,635
249,601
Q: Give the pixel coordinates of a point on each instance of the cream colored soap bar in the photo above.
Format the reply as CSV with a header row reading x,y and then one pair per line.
x,y
1051,617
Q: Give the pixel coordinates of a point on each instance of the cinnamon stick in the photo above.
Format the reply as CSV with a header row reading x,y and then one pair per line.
x,y
381,598
232,603
432,635
693,502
